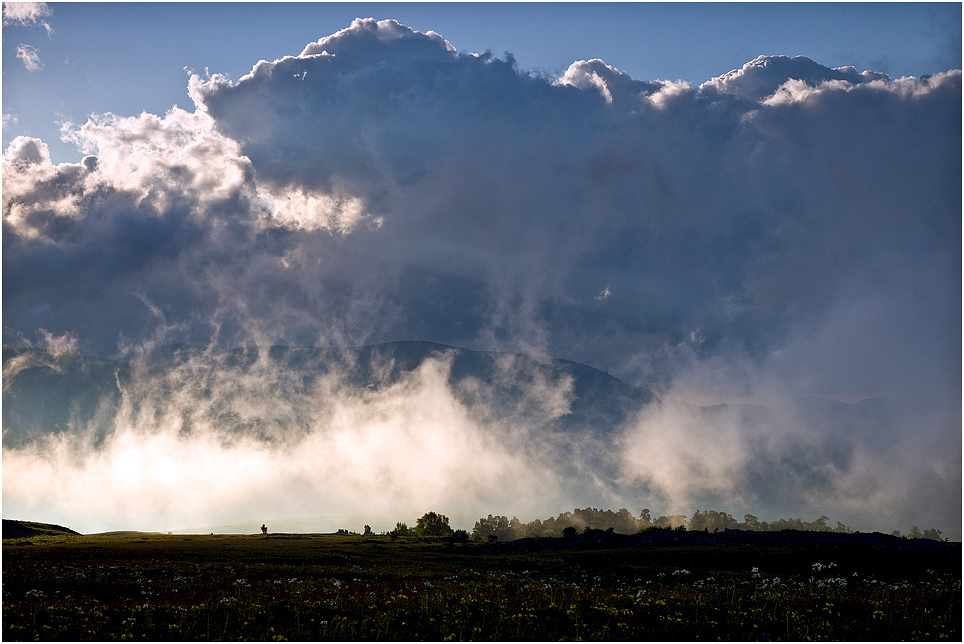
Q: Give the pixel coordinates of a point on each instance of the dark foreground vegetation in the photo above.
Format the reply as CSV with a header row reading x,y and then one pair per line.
x,y
661,584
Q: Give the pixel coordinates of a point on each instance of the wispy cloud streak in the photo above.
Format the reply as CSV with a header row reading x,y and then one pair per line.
x,y
30,57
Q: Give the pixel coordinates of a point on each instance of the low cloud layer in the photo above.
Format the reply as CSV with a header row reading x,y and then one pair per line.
x,y
782,231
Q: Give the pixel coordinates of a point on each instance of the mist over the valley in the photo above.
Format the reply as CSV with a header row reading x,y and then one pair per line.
x,y
742,295
187,436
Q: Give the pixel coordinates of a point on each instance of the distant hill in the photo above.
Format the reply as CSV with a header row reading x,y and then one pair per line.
x,y
14,529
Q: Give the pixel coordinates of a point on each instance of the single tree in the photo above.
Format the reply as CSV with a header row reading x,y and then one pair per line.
x,y
645,519
432,524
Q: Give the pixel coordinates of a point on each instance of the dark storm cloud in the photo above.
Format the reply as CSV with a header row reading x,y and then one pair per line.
x,y
783,230
689,201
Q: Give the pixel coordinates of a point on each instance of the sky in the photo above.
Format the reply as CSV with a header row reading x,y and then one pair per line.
x,y
722,203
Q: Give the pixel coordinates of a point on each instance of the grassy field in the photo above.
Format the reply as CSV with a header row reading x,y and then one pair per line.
x,y
137,586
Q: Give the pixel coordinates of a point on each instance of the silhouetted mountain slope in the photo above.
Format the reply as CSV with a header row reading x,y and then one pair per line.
x,y
47,393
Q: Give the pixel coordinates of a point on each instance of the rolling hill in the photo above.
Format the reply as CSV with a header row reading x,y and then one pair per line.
x,y
15,529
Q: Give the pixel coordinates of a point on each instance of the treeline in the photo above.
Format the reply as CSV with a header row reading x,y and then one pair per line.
x,y
501,528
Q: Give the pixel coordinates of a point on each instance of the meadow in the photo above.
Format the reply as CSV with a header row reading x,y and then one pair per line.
x,y
138,586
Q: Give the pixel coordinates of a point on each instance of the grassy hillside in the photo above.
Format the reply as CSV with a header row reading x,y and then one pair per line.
x,y
13,529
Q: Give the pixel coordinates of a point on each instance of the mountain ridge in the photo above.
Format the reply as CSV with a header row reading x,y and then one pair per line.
x,y
47,392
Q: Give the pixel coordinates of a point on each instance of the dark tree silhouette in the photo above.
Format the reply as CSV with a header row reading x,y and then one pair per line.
x,y
432,524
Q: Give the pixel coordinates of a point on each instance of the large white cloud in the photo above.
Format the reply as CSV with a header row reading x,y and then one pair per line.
x,y
783,230
764,75
27,14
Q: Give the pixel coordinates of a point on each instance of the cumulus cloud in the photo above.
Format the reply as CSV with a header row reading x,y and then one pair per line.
x,y
784,230
764,75
27,14
607,80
